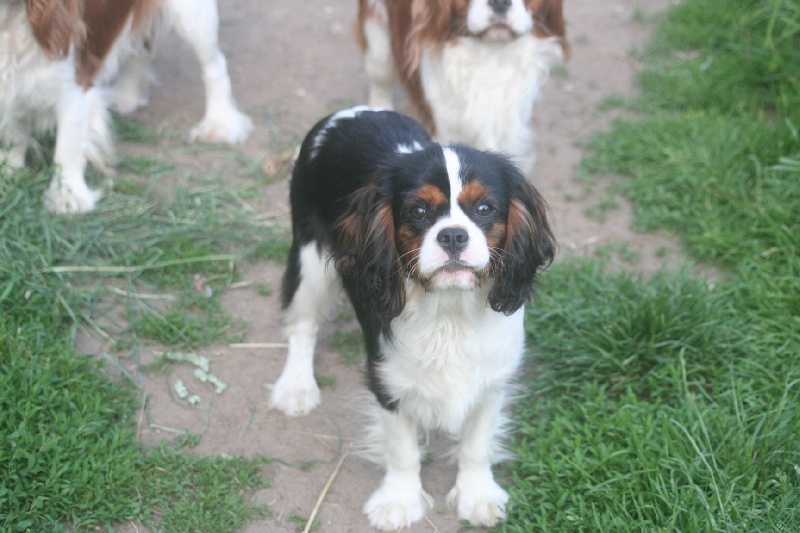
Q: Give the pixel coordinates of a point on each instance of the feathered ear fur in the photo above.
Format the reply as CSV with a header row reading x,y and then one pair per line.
x,y
56,24
366,255
430,19
549,21
529,246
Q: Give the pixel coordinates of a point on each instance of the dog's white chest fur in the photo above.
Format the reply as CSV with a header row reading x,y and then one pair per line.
x,y
445,352
482,93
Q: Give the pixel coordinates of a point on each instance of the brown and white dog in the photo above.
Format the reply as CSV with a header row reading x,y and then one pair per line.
x,y
56,58
472,68
438,248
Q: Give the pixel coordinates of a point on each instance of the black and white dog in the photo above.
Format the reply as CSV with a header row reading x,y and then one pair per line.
x,y
438,248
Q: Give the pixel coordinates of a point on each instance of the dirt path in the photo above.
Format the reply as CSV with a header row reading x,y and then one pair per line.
x,y
290,66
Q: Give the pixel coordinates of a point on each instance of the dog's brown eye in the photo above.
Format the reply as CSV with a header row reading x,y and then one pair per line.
x,y
418,212
484,210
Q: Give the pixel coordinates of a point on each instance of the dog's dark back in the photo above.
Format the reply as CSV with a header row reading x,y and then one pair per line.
x,y
330,168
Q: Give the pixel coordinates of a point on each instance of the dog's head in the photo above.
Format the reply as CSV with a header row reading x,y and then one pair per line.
x,y
447,218
438,20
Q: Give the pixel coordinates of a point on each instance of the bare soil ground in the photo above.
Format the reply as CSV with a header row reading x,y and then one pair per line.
x,y
292,63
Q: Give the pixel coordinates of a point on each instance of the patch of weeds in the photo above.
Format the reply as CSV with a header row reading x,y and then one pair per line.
x,y
128,187
639,16
612,101
274,247
143,166
177,328
621,251
642,381
71,455
127,128
71,459
326,381
627,254
559,71
599,211
653,399
262,289
300,522
351,344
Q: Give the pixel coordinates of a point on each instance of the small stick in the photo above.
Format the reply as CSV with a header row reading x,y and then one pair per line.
x,y
141,268
586,242
240,284
325,491
259,345
428,520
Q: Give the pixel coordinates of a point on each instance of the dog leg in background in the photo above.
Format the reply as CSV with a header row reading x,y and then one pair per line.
x,y
14,156
197,23
131,88
400,500
476,495
296,392
378,60
82,132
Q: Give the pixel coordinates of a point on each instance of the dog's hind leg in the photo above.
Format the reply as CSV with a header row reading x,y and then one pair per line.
x,y
197,23
310,286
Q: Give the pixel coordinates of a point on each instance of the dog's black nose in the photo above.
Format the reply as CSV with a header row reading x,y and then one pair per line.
x,y
453,240
500,6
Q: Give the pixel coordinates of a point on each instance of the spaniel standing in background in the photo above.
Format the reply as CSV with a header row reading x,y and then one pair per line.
x,y
438,248
472,68
57,55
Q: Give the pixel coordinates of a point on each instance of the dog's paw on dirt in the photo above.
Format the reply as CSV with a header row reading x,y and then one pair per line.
x,y
295,398
389,509
481,504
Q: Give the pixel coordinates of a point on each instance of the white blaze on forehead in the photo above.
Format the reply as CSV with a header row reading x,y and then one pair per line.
x,y
474,256
453,166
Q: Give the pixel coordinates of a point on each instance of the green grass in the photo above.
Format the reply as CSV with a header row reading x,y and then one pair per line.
x,y
670,403
70,456
655,405
652,404
141,268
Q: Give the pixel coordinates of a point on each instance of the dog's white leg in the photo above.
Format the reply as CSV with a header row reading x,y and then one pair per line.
x,y
296,392
400,500
378,60
13,157
131,88
68,191
476,495
198,24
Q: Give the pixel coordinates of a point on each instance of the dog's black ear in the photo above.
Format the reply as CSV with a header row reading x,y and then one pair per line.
x,y
366,254
529,246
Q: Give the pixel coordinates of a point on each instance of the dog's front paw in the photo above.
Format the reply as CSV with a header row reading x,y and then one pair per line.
x,y
227,125
295,398
481,504
390,509
75,198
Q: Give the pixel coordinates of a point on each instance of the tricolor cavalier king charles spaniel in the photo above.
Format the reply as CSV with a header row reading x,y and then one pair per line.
x,y
472,68
438,248
58,59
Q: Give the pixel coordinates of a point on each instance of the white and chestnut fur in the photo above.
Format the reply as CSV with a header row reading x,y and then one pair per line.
x,y
56,58
472,69
438,248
